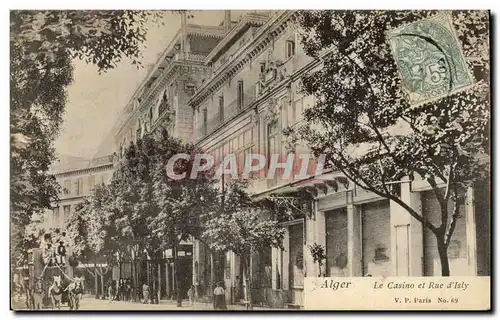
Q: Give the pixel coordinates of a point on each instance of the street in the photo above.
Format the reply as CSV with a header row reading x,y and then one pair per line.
x,y
92,304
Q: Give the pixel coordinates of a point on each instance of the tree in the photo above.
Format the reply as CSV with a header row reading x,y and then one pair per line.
x,y
243,227
85,235
42,46
145,210
183,203
318,254
368,129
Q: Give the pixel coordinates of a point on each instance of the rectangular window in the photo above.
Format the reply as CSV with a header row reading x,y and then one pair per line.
x,y
272,146
234,144
248,137
262,67
290,49
56,215
241,140
221,108
77,188
240,94
205,121
67,187
67,212
91,182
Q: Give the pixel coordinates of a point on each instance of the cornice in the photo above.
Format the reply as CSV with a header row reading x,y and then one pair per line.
x,y
279,87
103,167
264,36
247,21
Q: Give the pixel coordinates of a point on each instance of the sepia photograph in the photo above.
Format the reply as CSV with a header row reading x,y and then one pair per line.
x,y
250,160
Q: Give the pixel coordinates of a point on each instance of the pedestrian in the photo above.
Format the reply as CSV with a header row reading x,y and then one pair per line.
x,y
145,293
122,289
219,297
190,294
129,290
110,290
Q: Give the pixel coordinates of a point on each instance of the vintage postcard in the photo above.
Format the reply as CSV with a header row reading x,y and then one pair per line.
x,y
250,160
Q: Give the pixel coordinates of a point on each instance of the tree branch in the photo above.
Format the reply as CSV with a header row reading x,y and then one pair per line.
x,y
358,177
442,203
454,218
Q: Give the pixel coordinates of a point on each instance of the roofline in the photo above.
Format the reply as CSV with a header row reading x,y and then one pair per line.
x,y
211,83
82,170
248,19
194,29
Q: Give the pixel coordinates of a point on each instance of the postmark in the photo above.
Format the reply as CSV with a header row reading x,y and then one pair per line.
x,y
429,58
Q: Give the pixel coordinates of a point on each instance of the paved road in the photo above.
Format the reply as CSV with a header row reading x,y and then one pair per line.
x,y
89,303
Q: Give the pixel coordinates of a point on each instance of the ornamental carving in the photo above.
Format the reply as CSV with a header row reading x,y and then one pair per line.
x,y
273,73
254,118
272,109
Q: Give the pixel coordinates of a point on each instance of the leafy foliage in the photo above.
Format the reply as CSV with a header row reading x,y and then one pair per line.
x,y
243,226
42,47
368,130
318,254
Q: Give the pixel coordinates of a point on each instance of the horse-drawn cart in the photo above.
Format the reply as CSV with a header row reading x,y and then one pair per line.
x,y
51,286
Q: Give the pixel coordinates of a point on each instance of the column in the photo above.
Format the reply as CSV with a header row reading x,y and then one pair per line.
x,y
167,278
407,250
310,267
354,267
285,258
275,267
470,231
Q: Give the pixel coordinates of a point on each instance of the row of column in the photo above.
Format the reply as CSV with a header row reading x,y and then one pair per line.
x,y
406,233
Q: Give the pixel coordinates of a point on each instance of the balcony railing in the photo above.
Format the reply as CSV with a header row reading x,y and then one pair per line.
x,y
180,56
230,111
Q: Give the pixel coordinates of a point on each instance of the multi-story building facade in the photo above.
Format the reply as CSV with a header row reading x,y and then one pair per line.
x,y
161,102
77,178
241,107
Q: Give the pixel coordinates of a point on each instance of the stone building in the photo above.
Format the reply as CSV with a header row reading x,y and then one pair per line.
x,y
77,177
161,102
251,94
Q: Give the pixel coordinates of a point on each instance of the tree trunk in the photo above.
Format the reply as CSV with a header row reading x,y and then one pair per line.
x,y
96,282
159,283
443,257
247,283
102,284
134,280
176,276
212,276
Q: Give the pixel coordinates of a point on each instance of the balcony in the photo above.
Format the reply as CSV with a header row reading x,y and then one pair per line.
x,y
230,111
189,56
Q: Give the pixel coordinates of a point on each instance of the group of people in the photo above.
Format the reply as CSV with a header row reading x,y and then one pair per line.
x,y
120,290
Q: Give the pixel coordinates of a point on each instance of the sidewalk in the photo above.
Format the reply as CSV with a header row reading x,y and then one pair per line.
x,y
90,303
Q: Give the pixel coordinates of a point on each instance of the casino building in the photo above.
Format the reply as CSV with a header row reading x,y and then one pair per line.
x,y
249,95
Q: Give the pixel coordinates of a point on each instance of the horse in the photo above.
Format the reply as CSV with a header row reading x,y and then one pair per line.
x,y
37,294
56,292
75,292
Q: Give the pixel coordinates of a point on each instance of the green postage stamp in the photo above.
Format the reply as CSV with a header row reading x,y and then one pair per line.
x,y
429,58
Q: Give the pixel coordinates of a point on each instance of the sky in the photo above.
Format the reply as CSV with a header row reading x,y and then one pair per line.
x,y
96,101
